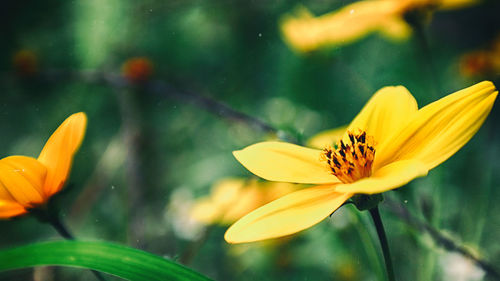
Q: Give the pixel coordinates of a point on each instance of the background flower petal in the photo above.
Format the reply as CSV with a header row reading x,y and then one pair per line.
x,y
389,177
22,177
280,161
440,128
287,215
386,112
57,154
326,138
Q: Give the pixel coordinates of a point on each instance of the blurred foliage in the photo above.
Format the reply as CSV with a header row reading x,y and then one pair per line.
x,y
232,51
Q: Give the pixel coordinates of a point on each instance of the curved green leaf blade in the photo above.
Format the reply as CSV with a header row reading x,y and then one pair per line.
x,y
124,262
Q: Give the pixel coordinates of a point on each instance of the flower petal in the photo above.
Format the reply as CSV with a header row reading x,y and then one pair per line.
x,y
395,28
11,209
304,32
441,128
57,154
386,112
326,138
287,215
280,161
389,177
22,178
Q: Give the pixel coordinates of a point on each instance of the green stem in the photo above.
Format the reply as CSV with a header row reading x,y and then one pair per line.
x,y
54,220
377,220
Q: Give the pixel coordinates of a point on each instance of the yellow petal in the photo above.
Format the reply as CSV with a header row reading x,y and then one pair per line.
x,y
22,177
227,191
250,199
280,161
456,4
326,138
57,154
205,211
396,28
386,112
389,177
287,215
305,33
11,209
441,128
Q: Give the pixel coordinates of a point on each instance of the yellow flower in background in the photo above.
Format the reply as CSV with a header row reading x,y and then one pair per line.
x,y
304,32
26,182
232,198
327,137
388,144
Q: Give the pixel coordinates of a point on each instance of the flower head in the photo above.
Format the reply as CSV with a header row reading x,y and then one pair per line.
x,y
388,144
26,182
304,32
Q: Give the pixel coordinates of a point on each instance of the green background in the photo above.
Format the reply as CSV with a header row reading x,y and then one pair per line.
x,y
232,52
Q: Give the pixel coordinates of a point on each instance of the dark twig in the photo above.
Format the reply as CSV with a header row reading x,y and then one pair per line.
x,y
439,238
163,89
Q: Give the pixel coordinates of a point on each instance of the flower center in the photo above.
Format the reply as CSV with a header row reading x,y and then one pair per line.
x,y
351,160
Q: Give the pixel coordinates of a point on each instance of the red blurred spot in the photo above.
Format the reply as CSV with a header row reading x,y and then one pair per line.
x,y
137,69
25,62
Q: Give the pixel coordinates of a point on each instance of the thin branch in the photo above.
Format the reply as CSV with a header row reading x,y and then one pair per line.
x,y
439,238
163,89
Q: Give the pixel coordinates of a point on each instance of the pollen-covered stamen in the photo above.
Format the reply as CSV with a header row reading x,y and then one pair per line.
x,y
352,158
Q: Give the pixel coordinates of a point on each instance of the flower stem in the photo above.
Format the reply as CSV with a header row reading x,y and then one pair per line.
x,y
377,220
60,228
55,221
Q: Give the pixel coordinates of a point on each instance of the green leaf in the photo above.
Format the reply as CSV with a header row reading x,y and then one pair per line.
x,y
124,262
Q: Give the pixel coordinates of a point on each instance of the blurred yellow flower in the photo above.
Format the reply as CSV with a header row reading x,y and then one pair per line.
x,y
407,143
304,32
26,182
232,198
484,62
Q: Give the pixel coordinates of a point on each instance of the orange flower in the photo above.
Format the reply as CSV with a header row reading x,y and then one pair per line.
x,y
27,183
137,69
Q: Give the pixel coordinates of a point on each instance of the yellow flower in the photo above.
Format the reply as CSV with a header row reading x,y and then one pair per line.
x,y
304,32
232,198
27,183
388,144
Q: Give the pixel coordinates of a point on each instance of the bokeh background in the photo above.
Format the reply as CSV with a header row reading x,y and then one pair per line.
x,y
148,156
